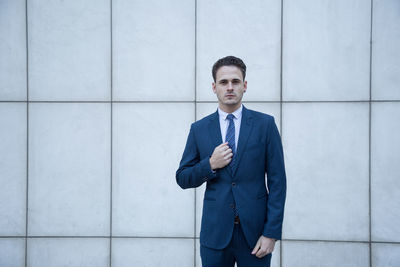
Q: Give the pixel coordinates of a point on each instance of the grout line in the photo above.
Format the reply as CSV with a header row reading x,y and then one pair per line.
x,y
280,107
197,101
102,237
196,238
111,129
369,139
195,118
27,133
13,237
327,241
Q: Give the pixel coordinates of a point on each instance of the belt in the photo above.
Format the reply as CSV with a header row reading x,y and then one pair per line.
x,y
237,220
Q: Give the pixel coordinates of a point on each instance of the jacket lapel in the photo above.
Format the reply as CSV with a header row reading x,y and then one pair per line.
x,y
245,129
215,130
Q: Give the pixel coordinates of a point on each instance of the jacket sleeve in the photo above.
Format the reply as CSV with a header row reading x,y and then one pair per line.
x,y
193,171
276,182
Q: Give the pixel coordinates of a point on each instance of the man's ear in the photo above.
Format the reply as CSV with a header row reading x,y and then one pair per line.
x,y
244,86
214,88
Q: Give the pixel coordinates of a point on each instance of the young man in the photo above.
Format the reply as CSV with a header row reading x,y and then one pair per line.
x,y
232,150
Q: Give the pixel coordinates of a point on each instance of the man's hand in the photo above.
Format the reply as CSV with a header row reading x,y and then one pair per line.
x,y
221,156
264,246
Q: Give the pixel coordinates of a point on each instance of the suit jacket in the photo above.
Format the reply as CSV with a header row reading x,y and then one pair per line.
x,y
259,151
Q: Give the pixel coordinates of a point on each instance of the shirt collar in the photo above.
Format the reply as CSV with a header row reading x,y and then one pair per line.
x,y
237,113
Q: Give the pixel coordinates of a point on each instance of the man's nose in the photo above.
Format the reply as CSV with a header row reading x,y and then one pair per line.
x,y
230,86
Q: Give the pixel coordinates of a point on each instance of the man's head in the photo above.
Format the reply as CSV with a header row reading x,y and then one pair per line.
x,y
229,61
229,82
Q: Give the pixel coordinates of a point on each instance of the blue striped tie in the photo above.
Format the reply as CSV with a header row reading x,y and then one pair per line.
x,y
230,138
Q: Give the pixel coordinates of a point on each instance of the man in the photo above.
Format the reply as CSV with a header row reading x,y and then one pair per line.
x,y
232,150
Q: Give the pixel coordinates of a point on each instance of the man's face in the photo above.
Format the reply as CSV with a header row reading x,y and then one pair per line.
x,y
229,88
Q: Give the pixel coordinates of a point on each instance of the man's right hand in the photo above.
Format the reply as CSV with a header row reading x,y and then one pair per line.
x,y
221,156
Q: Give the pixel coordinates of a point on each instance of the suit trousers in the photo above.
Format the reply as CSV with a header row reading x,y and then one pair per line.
x,y
237,251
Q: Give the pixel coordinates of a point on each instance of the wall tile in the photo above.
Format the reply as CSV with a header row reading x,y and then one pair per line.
x,y
241,29
385,50
326,50
69,169
12,168
69,50
153,50
148,142
12,252
50,252
12,50
385,255
152,252
385,169
326,154
276,257
204,109
327,254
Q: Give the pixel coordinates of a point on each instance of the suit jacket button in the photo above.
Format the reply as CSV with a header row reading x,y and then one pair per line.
x,y
233,184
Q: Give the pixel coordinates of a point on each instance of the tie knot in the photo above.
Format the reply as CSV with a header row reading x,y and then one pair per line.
x,y
230,117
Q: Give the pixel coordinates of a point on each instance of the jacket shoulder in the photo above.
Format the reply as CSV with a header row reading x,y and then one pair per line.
x,y
261,117
204,121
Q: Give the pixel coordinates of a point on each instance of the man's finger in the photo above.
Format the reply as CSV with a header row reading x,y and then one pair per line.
x,y
256,248
230,155
221,149
224,153
260,253
223,144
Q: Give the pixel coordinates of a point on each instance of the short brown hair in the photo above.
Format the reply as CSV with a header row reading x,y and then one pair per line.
x,y
228,61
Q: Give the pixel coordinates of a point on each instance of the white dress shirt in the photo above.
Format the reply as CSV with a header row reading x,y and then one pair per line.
x,y
224,123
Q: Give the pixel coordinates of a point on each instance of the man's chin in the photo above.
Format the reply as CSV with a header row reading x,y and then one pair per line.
x,y
231,103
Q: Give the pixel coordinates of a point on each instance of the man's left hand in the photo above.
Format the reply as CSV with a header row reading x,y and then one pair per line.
x,y
264,246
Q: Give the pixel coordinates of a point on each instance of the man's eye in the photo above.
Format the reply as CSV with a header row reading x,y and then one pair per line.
x,y
223,82
235,81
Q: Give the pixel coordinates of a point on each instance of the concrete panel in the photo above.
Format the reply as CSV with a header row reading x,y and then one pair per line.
x,y
326,49
326,146
153,50
51,252
69,169
327,254
276,257
240,28
12,168
69,50
12,50
385,255
385,50
385,169
152,252
12,252
148,143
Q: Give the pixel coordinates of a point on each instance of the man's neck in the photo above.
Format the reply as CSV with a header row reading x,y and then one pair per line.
x,y
230,109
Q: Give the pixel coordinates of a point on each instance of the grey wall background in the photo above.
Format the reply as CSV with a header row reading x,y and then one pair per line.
x,y
97,97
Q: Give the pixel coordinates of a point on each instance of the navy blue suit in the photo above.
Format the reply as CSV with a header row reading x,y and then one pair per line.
x,y
259,152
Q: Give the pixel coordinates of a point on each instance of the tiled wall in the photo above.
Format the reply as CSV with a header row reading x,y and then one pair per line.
x,y
96,100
